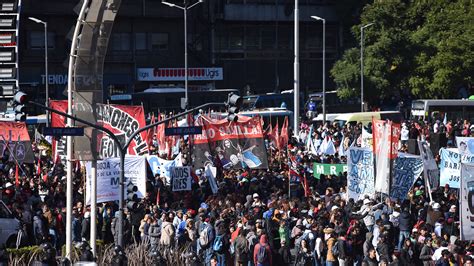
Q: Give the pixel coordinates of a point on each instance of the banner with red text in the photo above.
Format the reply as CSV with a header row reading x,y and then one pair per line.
x,y
123,121
230,145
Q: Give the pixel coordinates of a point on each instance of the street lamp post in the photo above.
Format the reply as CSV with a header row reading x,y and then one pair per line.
x,y
185,8
362,65
324,65
46,78
296,73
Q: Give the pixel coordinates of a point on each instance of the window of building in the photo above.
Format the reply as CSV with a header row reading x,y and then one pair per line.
x,y
121,41
37,40
159,41
140,41
252,38
268,37
236,39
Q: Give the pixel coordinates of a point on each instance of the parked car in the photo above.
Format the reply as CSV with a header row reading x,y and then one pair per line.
x,y
9,227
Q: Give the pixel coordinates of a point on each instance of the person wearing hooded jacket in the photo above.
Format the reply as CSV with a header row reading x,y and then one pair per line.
x,y
263,243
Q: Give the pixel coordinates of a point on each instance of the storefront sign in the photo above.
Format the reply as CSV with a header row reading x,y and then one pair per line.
x,y
177,74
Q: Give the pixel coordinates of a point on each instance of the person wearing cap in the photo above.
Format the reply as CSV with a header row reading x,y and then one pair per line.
x,y
256,201
434,213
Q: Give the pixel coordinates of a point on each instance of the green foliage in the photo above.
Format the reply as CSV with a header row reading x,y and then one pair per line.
x,y
423,48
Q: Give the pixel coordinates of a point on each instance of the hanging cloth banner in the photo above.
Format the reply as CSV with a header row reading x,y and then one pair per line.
x,y
450,166
360,175
237,145
108,171
405,172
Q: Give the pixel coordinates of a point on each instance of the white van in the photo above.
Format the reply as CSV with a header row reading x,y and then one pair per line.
x,y
9,227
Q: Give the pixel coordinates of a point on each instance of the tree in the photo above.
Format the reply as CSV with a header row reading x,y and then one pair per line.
x,y
415,48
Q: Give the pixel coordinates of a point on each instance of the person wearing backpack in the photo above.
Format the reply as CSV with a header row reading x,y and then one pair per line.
x,y
205,241
262,254
241,249
220,245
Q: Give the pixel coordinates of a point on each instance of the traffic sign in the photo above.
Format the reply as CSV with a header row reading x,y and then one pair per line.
x,y
181,131
63,131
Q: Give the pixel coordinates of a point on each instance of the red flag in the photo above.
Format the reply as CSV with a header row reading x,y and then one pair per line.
x,y
150,132
284,134
17,176
38,167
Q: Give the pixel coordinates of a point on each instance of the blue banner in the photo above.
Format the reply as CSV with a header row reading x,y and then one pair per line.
x,y
405,172
360,173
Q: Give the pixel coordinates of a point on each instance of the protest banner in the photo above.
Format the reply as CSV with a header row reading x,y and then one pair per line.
x,y
467,202
405,172
108,171
162,167
360,175
450,166
123,121
233,145
328,169
15,141
181,178
430,168
382,152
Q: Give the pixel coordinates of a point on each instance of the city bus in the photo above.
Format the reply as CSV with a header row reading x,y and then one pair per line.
x,y
432,110
333,103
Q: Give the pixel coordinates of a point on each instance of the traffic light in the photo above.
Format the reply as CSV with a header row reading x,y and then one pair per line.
x,y
132,197
19,100
234,102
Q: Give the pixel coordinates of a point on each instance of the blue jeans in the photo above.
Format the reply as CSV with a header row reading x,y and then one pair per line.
x,y
403,235
331,263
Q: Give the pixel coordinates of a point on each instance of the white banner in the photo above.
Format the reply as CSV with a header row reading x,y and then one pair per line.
x,y
360,175
450,166
467,202
211,173
162,167
382,180
177,74
430,168
181,178
108,171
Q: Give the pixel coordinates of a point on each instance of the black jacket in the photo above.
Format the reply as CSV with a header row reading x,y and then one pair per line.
x,y
405,221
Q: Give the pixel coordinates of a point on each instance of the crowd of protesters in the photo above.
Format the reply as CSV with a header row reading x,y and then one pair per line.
x,y
252,220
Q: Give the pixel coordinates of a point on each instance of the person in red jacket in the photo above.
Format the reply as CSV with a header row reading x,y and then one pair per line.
x,y
262,254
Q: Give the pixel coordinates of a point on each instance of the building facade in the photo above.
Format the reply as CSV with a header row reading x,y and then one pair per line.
x,y
249,42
